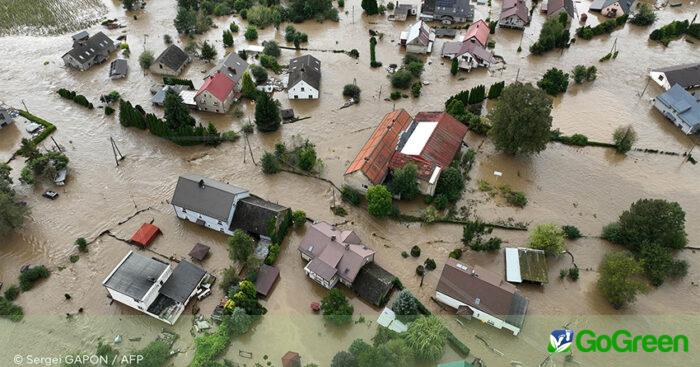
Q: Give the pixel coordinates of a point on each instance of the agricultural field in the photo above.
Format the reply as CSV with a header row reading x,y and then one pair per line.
x,y
43,17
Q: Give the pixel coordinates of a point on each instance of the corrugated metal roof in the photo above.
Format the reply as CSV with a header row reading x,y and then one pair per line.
x,y
512,265
374,157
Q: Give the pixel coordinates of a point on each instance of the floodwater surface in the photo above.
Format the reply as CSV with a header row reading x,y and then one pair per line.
x,y
585,187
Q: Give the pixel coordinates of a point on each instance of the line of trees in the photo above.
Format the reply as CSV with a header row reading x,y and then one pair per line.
x,y
554,34
75,97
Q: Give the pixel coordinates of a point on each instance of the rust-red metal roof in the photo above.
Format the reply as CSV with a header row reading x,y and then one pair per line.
x,y
374,157
446,139
145,235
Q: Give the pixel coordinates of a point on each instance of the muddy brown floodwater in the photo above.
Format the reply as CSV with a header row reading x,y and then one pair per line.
x,y
584,187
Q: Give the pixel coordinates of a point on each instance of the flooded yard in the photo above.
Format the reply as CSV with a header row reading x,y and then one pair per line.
x,y
585,187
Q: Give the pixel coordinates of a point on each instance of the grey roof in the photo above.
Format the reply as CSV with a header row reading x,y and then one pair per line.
x,y
266,278
135,275
233,66
373,283
80,35
118,67
321,269
306,68
448,8
685,75
473,48
96,47
556,5
159,97
256,215
173,57
211,198
5,116
599,5
684,104
183,281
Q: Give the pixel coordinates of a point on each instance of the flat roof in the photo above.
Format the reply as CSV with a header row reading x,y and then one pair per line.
x,y
416,142
135,275
183,281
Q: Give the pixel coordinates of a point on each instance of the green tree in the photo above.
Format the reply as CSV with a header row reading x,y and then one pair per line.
x,y
228,38
454,67
12,211
185,20
343,359
404,182
370,7
619,279
240,246
358,346
624,138
269,163
336,308
401,79
554,81
271,48
645,15
306,156
379,202
146,59
549,238
248,86
259,73
579,74
450,184
427,337
250,34
267,113
208,52
554,34
351,91
176,113
521,120
405,306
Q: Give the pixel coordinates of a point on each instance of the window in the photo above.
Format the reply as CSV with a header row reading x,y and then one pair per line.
x,y
296,97
302,89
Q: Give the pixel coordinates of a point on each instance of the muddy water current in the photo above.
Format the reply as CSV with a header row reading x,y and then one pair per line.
x,y
586,187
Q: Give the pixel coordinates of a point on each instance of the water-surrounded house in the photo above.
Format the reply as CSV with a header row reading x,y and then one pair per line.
x,y
447,11
475,292
333,255
233,66
5,117
88,51
526,265
172,61
681,107
472,51
216,94
402,11
304,78
154,287
429,141
514,14
118,69
685,75
225,208
555,7
612,8
418,38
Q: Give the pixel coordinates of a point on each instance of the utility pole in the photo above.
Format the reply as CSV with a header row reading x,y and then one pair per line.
x,y
56,144
353,14
25,106
517,75
118,156
645,88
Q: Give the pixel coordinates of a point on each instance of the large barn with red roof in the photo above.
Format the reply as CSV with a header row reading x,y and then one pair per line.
x,y
429,141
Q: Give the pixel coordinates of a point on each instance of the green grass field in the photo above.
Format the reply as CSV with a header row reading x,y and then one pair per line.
x,y
48,16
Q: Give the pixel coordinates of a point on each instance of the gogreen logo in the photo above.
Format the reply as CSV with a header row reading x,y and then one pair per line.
x,y
621,341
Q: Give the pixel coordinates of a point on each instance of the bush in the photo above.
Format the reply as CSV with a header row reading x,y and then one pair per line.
x,y
395,95
31,276
416,89
573,273
146,59
618,279
516,198
430,264
450,184
299,218
420,270
549,238
336,308
554,34
379,201
404,254
109,111
74,258
456,253
82,244
272,49
229,278
562,273
10,311
350,195
554,81
492,244
11,293
269,163
415,251
401,79
624,138
669,32
250,34
571,232
233,27
351,91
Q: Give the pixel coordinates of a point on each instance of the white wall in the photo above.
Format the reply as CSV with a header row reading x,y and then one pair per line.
x,y
302,90
358,181
477,314
209,222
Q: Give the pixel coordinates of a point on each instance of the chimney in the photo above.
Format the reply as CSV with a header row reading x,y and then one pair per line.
x,y
201,184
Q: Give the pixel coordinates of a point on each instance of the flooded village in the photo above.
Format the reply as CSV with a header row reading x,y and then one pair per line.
x,y
164,223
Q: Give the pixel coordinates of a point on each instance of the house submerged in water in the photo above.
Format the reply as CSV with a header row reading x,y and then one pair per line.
x,y
225,208
88,51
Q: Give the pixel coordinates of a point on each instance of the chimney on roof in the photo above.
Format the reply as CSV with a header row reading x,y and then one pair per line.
x,y
201,184
333,238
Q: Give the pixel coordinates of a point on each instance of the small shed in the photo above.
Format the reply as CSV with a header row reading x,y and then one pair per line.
x,y
266,279
291,359
373,284
199,252
526,265
145,235
287,114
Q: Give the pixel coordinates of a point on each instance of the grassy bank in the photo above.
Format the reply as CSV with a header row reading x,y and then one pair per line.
x,y
48,16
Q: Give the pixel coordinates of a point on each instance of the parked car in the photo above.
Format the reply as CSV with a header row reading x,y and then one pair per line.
x,y
50,194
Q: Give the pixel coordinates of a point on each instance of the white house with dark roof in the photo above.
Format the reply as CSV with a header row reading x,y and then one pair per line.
x,y
88,51
225,208
172,61
153,286
418,38
685,75
446,11
612,8
333,255
304,78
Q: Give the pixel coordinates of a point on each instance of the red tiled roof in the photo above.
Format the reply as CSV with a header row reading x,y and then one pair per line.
x,y
479,30
374,157
219,85
145,235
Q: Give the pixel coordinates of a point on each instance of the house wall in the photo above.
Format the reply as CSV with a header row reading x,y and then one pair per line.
x,y
426,188
416,49
477,314
358,181
321,281
207,102
204,220
72,62
670,114
302,90
660,78
512,21
162,69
